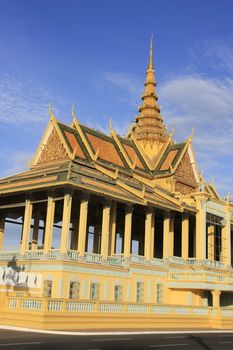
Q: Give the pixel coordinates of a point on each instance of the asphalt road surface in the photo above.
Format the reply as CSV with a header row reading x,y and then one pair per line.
x,y
16,340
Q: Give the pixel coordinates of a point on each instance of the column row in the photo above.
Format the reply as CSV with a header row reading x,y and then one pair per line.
x,y
138,231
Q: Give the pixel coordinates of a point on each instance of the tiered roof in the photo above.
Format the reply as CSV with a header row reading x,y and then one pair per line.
x,y
115,166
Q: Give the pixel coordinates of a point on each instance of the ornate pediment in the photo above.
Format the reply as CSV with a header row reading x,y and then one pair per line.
x,y
53,150
186,179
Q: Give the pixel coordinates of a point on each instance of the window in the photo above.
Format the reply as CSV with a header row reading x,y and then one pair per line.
x,y
48,285
118,293
159,293
139,292
94,291
74,290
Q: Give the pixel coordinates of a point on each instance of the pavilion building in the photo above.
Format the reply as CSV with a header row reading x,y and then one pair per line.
x,y
106,231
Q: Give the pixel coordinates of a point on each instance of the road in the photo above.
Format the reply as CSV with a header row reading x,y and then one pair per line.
x,y
16,340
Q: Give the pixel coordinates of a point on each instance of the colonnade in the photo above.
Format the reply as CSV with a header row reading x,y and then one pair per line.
x,y
107,228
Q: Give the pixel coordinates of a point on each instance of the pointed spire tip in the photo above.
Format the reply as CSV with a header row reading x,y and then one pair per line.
x,y
150,66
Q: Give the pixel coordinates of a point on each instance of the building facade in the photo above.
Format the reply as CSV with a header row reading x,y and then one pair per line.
x,y
105,231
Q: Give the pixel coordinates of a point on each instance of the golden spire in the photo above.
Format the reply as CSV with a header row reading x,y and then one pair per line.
x,y
150,65
149,127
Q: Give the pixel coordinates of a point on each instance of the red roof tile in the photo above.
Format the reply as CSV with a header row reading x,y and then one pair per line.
x,y
132,155
107,150
75,145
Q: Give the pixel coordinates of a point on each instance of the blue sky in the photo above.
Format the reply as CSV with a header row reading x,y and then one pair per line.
x,y
94,54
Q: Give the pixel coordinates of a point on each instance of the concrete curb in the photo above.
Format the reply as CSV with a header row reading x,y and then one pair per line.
x,y
86,333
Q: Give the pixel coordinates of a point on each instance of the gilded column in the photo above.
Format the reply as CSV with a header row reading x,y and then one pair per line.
x,y
201,227
83,224
97,235
26,226
148,233
35,231
67,205
185,236
112,237
2,228
216,298
49,224
74,234
152,246
226,238
210,241
105,229
166,231
128,231
171,236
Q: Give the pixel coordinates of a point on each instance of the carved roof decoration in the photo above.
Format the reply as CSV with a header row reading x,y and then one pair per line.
x,y
210,189
169,159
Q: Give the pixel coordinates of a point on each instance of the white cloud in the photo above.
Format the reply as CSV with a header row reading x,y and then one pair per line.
x,y
22,102
197,99
214,54
124,81
15,162
206,104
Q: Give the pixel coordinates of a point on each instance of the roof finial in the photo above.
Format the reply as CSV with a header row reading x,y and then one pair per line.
x,y
150,66
72,111
50,111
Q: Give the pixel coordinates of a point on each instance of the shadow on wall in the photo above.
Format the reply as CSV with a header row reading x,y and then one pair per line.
x,y
16,277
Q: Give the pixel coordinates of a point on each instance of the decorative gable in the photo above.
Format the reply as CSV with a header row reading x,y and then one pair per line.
x,y
53,150
186,181
210,189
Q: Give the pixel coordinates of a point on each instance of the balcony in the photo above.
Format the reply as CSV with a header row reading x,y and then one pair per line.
x,y
12,253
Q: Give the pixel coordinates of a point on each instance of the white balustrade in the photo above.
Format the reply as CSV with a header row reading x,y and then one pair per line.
x,y
227,313
12,303
34,254
94,258
138,258
82,306
30,304
117,261
10,248
181,310
55,305
106,307
135,308
73,255
176,260
54,254
159,309
157,262
200,311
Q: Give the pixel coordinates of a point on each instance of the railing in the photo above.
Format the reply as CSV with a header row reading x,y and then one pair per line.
x,y
213,264
88,306
138,258
176,260
94,258
10,254
82,306
115,260
205,263
73,255
10,248
200,277
34,254
157,262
